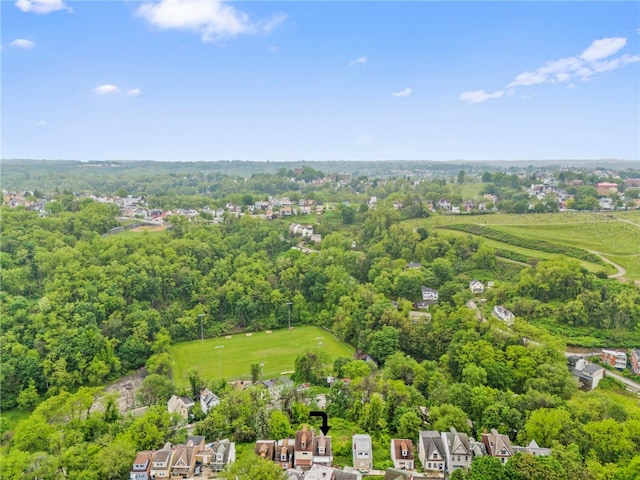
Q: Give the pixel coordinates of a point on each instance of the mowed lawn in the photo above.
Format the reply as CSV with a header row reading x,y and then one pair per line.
x,y
277,352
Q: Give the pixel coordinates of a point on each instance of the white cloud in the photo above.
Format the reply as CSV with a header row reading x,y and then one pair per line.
x,y
273,49
40,123
22,43
42,7
213,19
402,93
106,89
358,61
591,62
603,48
134,92
479,96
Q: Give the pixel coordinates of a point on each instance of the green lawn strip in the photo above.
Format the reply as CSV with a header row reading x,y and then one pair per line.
x,y
615,238
521,254
277,351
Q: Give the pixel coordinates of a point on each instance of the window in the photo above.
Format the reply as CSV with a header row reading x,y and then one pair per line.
x,y
321,450
283,457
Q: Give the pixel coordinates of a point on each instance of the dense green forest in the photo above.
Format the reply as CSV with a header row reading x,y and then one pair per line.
x,y
81,308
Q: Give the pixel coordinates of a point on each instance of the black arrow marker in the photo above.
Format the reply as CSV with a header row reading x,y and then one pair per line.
x,y
324,428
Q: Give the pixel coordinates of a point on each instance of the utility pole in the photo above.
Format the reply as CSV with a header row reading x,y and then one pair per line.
x,y
201,315
289,304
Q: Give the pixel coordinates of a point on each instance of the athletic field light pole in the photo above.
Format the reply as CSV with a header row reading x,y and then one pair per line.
x,y
218,347
289,305
201,315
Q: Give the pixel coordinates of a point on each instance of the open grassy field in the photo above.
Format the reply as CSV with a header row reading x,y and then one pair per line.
x,y
616,235
276,351
529,253
614,238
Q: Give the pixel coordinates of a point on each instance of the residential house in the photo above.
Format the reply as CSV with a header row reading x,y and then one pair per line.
x,y
224,454
348,473
161,462
533,449
615,359
320,472
429,294
498,445
477,448
588,375
180,405
266,449
503,314
303,448
399,474
457,450
476,286
431,451
606,188
208,400
141,466
635,361
284,453
322,453
402,453
444,204
362,452
414,265
183,461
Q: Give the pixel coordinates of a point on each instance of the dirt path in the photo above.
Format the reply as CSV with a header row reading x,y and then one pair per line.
x,y
628,221
621,271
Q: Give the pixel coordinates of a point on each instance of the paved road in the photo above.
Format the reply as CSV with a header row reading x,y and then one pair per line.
x,y
630,384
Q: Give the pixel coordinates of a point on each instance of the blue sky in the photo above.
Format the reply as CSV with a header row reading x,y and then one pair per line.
x,y
192,80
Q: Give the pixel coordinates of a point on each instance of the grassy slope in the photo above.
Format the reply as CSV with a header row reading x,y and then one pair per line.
x,y
276,350
601,232
526,251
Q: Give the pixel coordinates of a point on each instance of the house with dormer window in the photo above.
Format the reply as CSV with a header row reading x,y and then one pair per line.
x,y
431,451
457,450
402,453
498,445
303,448
284,453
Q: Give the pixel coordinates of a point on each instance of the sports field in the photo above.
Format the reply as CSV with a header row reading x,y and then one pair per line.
x,y
276,351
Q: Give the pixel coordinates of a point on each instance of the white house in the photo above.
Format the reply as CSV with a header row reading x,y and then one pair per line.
x,y
208,400
362,452
431,451
476,286
429,294
457,450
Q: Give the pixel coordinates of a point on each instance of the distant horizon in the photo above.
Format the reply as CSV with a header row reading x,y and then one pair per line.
x,y
460,160
265,81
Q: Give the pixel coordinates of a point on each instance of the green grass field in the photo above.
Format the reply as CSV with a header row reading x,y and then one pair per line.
x,y
614,234
592,267
276,350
